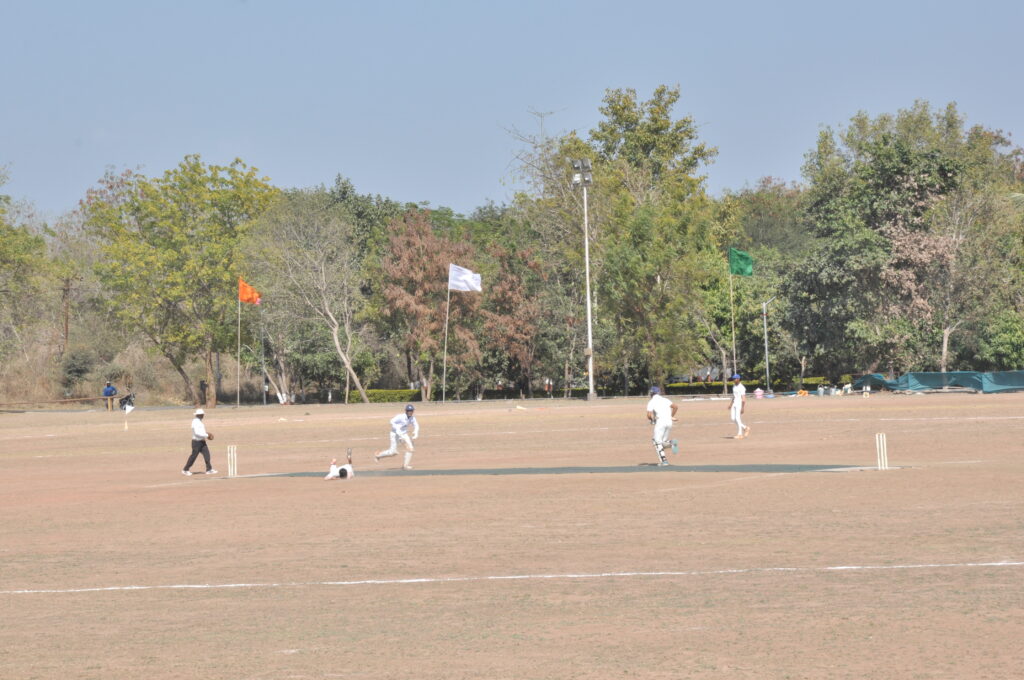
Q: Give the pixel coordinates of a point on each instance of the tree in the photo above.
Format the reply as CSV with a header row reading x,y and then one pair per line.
x,y
651,153
647,195
972,246
23,269
307,253
869,292
415,291
772,217
649,287
512,313
170,254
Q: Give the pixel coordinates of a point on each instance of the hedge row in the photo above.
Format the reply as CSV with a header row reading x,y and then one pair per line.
x,y
384,396
685,388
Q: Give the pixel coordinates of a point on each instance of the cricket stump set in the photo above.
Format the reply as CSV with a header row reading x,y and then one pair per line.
x,y
232,460
882,451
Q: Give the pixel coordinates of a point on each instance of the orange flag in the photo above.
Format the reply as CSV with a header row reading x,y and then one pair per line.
x,y
247,293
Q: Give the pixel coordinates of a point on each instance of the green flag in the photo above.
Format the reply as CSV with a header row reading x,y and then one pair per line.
x,y
740,263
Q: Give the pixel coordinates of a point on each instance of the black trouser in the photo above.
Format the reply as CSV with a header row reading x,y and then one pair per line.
x,y
199,446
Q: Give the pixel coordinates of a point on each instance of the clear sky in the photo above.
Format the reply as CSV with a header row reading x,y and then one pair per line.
x,y
416,100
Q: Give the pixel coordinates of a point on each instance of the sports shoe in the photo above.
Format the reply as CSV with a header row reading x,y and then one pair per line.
x,y
675,446
187,473
406,467
663,463
746,430
211,471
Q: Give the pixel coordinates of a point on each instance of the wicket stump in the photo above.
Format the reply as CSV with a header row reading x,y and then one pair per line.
x,y
882,451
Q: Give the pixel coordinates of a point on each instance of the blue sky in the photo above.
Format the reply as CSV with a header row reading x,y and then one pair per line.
x,y
416,100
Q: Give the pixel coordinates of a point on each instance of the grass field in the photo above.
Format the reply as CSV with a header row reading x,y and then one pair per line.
x,y
528,543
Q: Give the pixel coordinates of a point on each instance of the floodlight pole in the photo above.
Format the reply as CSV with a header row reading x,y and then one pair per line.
x,y
764,319
583,177
591,394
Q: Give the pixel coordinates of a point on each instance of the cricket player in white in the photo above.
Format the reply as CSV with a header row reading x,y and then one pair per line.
x,y
341,471
739,402
400,425
662,413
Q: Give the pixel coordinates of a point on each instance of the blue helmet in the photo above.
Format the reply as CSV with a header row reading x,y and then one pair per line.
x,y
655,389
409,408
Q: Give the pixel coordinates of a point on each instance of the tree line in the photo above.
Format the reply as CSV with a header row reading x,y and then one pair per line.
x,y
900,249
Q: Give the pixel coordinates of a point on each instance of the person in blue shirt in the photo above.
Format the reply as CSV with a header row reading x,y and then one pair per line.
x,y
109,392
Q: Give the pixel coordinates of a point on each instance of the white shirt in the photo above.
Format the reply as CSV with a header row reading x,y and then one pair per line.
x,y
198,429
662,408
400,425
738,391
335,471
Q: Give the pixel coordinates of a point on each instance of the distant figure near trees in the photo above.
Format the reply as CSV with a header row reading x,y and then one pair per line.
x,y
109,392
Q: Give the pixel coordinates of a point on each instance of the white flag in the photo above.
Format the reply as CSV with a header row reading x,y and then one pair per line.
x,y
460,278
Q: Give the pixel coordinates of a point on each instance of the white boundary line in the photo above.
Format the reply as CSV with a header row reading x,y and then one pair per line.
x,y
520,577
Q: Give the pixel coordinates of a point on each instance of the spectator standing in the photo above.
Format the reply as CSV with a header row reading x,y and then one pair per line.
x,y
109,392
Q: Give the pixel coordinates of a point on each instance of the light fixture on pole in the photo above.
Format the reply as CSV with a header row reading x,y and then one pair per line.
x,y
764,319
582,176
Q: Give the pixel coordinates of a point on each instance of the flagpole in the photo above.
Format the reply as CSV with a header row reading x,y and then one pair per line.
x,y
263,363
444,373
732,312
238,359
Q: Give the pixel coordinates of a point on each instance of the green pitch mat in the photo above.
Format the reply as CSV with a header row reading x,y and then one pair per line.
x,y
581,470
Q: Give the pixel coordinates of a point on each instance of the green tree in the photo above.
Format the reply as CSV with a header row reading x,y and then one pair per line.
x,y
648,288
24,269
647,194
170,260
651,152
880,197
772,217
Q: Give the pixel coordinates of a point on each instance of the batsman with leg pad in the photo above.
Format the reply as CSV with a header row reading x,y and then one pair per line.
x,y
661,412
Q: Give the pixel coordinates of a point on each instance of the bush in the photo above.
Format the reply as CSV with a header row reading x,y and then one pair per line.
x,y
384,396
714,387
76,365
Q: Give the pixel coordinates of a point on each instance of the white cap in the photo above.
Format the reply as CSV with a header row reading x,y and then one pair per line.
x,y
200,412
